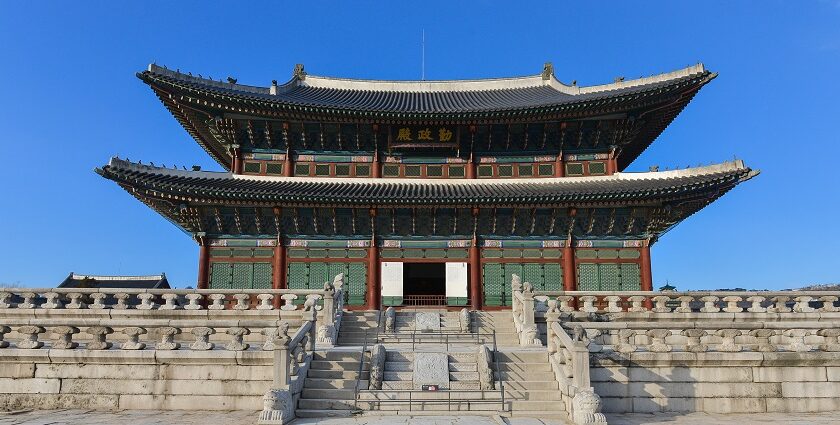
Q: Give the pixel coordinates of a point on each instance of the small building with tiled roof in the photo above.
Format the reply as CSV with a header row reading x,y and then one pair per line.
x,y
425,192
89,281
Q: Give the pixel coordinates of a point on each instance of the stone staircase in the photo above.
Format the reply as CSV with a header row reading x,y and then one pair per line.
x,y
330,384
529,385
354,326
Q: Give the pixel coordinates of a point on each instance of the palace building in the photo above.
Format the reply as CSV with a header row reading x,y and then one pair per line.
x,y
425,192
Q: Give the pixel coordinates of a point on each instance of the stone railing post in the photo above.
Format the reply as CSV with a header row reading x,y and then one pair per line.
x,y
326,331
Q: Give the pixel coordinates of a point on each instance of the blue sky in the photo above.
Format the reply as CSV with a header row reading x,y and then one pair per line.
x,y
70,101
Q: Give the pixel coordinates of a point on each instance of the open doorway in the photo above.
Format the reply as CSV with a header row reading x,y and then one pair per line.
x,y
424,284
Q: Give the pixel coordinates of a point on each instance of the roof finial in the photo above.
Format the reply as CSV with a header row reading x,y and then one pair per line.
x,y
548,71
299,73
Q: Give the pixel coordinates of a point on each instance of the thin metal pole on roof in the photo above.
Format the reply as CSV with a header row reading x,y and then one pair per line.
x,y
423,55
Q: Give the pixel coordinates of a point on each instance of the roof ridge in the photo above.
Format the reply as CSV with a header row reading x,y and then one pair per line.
x,y
301,79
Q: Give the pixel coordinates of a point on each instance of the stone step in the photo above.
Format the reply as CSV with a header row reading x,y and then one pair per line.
x,y
523,376
337,374
397,376
538,395
463,376
532,405
322,404
523,356
398,366
323,413
337,365
430,395
522,367
463,366
408,356
328,393
560,415
323,383
337,355
432,407
409,385
529,385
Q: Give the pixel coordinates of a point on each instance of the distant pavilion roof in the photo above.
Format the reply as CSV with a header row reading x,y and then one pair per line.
x,y
203,187
127,282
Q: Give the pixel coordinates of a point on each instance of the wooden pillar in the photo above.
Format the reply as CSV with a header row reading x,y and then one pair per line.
x,y
559,171
647,278
203,262
375,169
476,286
470,172
569,268
279,276
374,288
288,165
236,167
612,163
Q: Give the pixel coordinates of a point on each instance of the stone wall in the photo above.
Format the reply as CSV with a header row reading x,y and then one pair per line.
x,y
142,379
717,382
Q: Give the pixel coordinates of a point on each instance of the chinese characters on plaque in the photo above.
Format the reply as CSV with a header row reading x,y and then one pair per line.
x,y
423,135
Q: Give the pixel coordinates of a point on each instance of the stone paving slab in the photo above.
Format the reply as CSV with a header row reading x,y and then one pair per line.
x,y
153,417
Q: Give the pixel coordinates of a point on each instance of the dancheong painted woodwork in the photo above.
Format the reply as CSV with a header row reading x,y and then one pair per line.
x,y
425,192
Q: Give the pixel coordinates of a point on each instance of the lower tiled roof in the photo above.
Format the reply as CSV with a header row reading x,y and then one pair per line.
x,y
225,188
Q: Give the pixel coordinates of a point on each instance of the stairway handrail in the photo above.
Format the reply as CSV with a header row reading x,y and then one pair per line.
x,y
501,378
359,373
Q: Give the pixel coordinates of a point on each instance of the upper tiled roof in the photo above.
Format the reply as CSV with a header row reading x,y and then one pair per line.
x,y
427,99
225,188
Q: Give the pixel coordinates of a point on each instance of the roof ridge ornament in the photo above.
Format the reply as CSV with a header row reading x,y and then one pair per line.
x,y
299,73
548,71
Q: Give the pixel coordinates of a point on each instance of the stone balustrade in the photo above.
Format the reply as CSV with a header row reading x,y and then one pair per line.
x,y
569,358
703,336
605,302
292,357
169,299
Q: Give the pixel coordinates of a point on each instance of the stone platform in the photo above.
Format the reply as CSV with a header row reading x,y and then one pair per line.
x,y
184,417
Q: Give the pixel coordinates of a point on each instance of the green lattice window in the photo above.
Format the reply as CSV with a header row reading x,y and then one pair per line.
x,y
506,171
314,275
342,170
546,170
322,170
525,170
240,275
301,169
434,171
597,168
362,170
485,171
498,276
456,171
391,170
274,169
575,169
412,171
252,167
609,277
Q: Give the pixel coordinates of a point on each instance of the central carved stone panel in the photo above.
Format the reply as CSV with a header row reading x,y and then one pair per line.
x,y
431,369
426,321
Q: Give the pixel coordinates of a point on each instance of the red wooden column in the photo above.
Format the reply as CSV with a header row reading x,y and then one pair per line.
x,y
470,171
612,163
374,297
476,286
559,171
569,269
203,262
288,165
375,169
236,167
647,278
279,277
